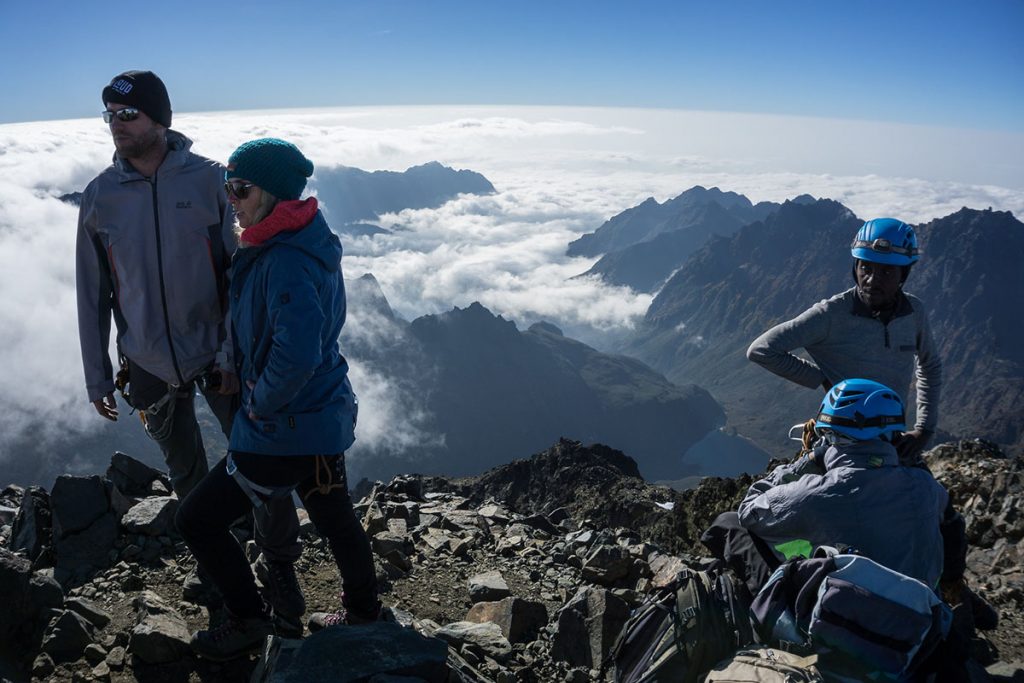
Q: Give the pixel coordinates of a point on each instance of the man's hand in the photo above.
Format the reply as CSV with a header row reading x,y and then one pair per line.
x,y
106,407
228,382
911,444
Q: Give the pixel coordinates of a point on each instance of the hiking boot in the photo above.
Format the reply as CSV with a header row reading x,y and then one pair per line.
x,y
986,617
288,627
198,588
346,617
281,588
234,637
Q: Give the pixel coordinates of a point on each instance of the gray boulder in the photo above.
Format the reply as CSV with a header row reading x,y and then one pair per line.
x,y
486,636
88,609
519,620
606,564
76,503
588,626
31,529
161,634
350,654
78,554
488,587
151,516
132,477
67,636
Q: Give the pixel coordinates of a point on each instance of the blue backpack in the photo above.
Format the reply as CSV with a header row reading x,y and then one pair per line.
x,y
860,617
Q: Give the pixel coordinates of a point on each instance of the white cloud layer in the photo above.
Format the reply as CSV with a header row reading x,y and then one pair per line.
x,y
558,172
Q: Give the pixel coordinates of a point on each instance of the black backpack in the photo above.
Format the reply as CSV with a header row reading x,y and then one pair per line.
x,y
683,630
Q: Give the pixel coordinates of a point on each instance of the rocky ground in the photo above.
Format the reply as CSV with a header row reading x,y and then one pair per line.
x,y
525,573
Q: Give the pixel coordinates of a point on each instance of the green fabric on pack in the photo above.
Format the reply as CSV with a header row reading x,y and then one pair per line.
x,y
795,548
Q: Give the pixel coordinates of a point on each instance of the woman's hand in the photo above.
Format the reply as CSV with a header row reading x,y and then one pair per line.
x,y
248,408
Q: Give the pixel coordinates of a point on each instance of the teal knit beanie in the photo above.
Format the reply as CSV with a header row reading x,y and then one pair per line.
x,y
273,165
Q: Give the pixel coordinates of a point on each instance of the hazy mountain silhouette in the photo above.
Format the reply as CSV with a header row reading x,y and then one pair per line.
x,y
351,195
698,327
648,220
494,393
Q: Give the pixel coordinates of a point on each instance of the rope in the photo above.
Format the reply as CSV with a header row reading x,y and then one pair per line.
x,y
323,488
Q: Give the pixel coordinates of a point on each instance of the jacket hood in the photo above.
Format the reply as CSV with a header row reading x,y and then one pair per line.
x,y
862,455
178,147
316,239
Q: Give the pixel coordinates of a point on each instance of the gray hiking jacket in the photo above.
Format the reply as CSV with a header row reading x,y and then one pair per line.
x,y
861,498
155,253
844,341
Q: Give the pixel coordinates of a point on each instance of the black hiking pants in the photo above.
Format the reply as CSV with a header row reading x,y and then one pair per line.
x,y
181,442
207,513
738,549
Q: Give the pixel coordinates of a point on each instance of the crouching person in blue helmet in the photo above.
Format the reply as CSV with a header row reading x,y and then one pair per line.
x,y
849,491
873,330
298,410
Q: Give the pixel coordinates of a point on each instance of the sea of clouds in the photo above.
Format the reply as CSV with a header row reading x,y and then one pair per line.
x,y
558,173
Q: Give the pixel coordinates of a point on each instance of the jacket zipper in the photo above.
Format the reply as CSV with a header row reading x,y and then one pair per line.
x,y
163,288
885,326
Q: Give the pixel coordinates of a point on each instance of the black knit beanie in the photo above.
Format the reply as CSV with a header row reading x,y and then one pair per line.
x,y
143,90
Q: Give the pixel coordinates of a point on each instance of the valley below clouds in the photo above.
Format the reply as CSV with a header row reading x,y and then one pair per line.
x,y
558,173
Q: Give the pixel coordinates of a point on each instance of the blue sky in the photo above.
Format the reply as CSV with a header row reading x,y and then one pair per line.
x,y
940,63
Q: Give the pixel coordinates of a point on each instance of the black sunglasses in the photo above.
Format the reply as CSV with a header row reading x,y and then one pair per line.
x,y
238,190
126,114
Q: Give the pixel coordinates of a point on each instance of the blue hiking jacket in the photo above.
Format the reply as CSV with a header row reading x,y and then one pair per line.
x,y
287,309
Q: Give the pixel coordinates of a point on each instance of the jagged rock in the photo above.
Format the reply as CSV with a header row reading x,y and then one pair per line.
x,y
161,634
386,542
101,672
347,655
132,477
24,599
88,609
67,636
43,666
32,525
94,653
587,627
488,587
120,503
486,636
77,503
665,569
78,554
519,620
44,592
151,516
606,564
115,658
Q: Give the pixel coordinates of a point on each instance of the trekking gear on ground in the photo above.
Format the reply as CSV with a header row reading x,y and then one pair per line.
x,y
858,615
886,240
861,409
681,631
765,665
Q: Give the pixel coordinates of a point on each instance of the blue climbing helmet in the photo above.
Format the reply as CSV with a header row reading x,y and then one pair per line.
x,y
886,240
861,409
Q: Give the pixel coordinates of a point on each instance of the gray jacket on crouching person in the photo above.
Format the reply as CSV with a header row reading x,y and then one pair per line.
x,y
856,495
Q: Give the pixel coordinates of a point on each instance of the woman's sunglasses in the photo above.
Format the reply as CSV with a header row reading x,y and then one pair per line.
x,y
126,114
238,190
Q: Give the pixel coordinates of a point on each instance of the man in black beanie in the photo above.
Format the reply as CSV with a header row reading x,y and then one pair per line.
x,y
155,239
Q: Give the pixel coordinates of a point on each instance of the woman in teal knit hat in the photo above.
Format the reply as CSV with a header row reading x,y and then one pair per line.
x,y
298,411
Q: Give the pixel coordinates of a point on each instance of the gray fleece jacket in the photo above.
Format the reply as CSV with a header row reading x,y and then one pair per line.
x,y
154,253
845,340
858,496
